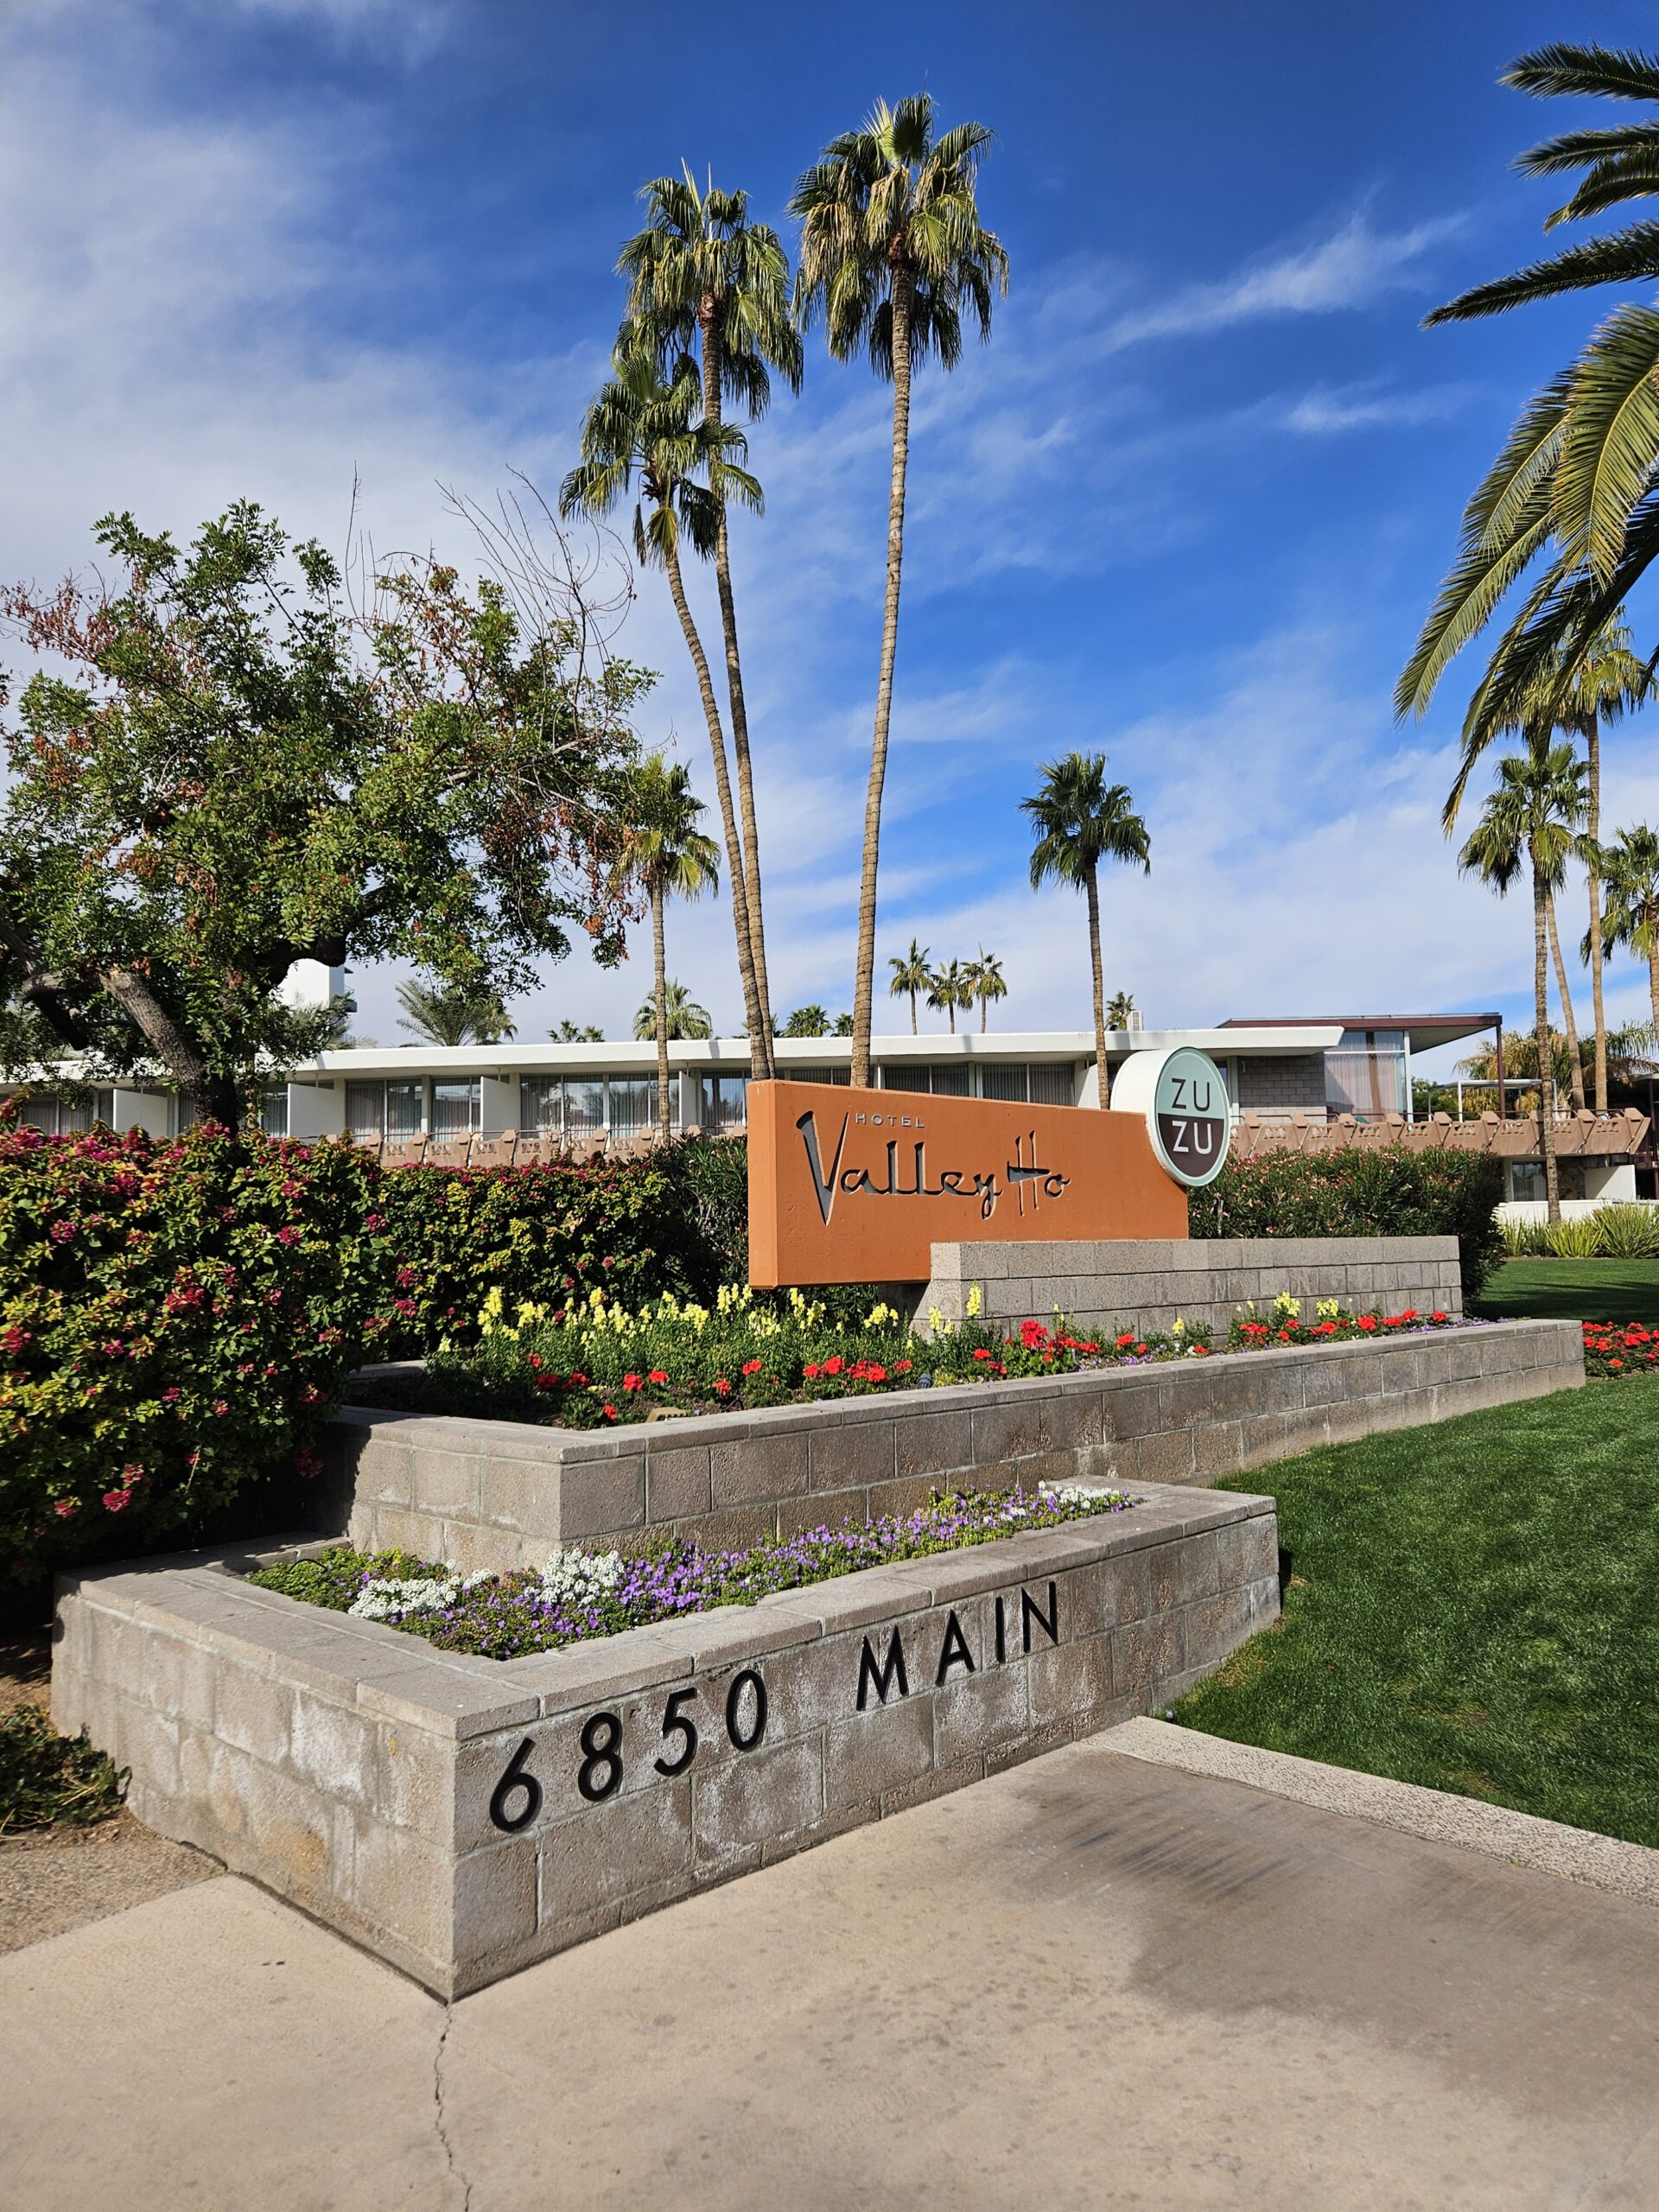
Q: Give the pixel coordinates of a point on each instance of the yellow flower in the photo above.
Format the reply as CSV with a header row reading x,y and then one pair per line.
x,y
1178,1327
975,1301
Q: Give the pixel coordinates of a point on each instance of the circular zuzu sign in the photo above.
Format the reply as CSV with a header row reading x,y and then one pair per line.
x,y
1183,1100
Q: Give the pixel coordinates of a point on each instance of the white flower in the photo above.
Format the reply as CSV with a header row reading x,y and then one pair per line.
x,y
393,1597
577,1578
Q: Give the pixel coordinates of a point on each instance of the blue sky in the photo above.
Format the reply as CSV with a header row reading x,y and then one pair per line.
x,y
1188,504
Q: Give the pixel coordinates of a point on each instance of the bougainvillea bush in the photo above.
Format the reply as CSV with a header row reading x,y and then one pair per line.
x,y
580,1594
1614,1349
176,1321
1390,1190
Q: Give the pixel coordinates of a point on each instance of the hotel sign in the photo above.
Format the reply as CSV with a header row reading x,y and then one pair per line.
x,y
858,1186
1181,1097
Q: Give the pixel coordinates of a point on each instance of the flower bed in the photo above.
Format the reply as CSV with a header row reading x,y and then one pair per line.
x,y
1615,1349
581,1594
603,1366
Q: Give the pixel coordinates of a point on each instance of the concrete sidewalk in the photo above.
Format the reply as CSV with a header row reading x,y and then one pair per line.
x,y
1091,1981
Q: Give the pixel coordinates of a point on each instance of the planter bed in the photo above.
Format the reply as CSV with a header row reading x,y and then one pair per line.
x,y
463,1817
500,1495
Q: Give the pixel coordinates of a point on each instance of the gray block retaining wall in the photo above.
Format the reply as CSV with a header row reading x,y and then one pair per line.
x,y
499,1494
1145,1283
462,1817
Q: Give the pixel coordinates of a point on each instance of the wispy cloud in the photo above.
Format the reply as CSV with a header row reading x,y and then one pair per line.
x,y
1326,411
1347,270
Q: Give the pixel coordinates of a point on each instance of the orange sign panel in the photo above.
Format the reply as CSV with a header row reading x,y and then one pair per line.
x,y
858,1186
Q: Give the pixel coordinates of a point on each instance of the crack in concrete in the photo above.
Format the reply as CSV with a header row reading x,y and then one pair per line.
x,y
439,2117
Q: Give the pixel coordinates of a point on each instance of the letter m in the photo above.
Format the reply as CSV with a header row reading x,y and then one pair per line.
x,y
880,1679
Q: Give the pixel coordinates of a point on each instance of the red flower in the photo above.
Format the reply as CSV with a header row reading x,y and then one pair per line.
x,y
115,1499
834,1366
610,1412
722,1388
981,1353
66,1506
1127,1338
901,1367
633,1381
750,1367
812,1373
288,1236
1366,1321
657,1374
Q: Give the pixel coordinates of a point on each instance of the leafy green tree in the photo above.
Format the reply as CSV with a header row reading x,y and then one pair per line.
x,y
807,1021
1077,821
986,983
670,858
218,770
910,977
892,251
682,1016
1566,504
703,276
641,426
453,1014
1630,915
1533,823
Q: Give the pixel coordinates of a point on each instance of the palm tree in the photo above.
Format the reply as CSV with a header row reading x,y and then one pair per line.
x,y
1534,821
807,1021
911,977
986,982
949,988
892,248
1119,1007
1571,481
1577,692
671,858
575,1033
640,425
682,1017
1079,820
453,1014
1630,915
700,274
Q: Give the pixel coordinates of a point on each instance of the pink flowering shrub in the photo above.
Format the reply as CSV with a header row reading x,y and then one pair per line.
x,y
176,1321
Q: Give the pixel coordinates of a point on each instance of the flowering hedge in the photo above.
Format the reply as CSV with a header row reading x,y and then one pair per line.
x,y
176,1320
1387,1192
580,1594
1331,1324
1613,1349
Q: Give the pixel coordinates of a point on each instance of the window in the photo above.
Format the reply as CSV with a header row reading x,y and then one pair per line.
x,y
377,1109
1052,1085
905,1077
723,1102
541,1105
455,1108
584,1110
1005,1082
815,1075
405,1108
273,1110
633,1105
1366,1074
366,1109
951,1080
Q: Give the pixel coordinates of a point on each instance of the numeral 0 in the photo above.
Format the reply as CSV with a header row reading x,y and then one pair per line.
x,y
740,1741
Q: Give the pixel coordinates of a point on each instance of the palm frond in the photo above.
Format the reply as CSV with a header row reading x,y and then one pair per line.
x,y
1582,149
1611,440
1634,176
1629,256
1561,68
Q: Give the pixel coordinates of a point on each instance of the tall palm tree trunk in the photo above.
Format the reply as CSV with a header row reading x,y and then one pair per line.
x,y
984,1015
659,960
913,1030
1575,1060
1541,1025
759,1051
864,980
764,1064
1653,988
1593,744
1092,885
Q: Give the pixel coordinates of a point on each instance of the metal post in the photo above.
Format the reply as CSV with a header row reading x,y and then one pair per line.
x,y
1500,1069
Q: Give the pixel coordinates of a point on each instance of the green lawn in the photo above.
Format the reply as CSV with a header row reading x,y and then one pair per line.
x,y
1572,1290
1472,1607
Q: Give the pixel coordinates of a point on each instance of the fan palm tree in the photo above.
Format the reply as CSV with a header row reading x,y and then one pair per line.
x,y
947,987
986,982
641,426
1534,822
682,1018
577,1032
807,1021
1119,1007
892,249
670,857
1078,821
701,275
910,977
453,1014
1630,915
1571,485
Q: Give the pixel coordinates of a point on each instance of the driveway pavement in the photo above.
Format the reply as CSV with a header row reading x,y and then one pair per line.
x,y
1093,1982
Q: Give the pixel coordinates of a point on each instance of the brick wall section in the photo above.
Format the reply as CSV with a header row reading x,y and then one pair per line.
x,y
351,1768
1283,1086
1145,1283
500,1494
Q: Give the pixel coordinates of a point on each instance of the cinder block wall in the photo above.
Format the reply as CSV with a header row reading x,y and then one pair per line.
x,y
1146,1283
360,1773
499,1494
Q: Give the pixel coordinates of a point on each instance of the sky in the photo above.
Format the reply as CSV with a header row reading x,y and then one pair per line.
x,y
1187,507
